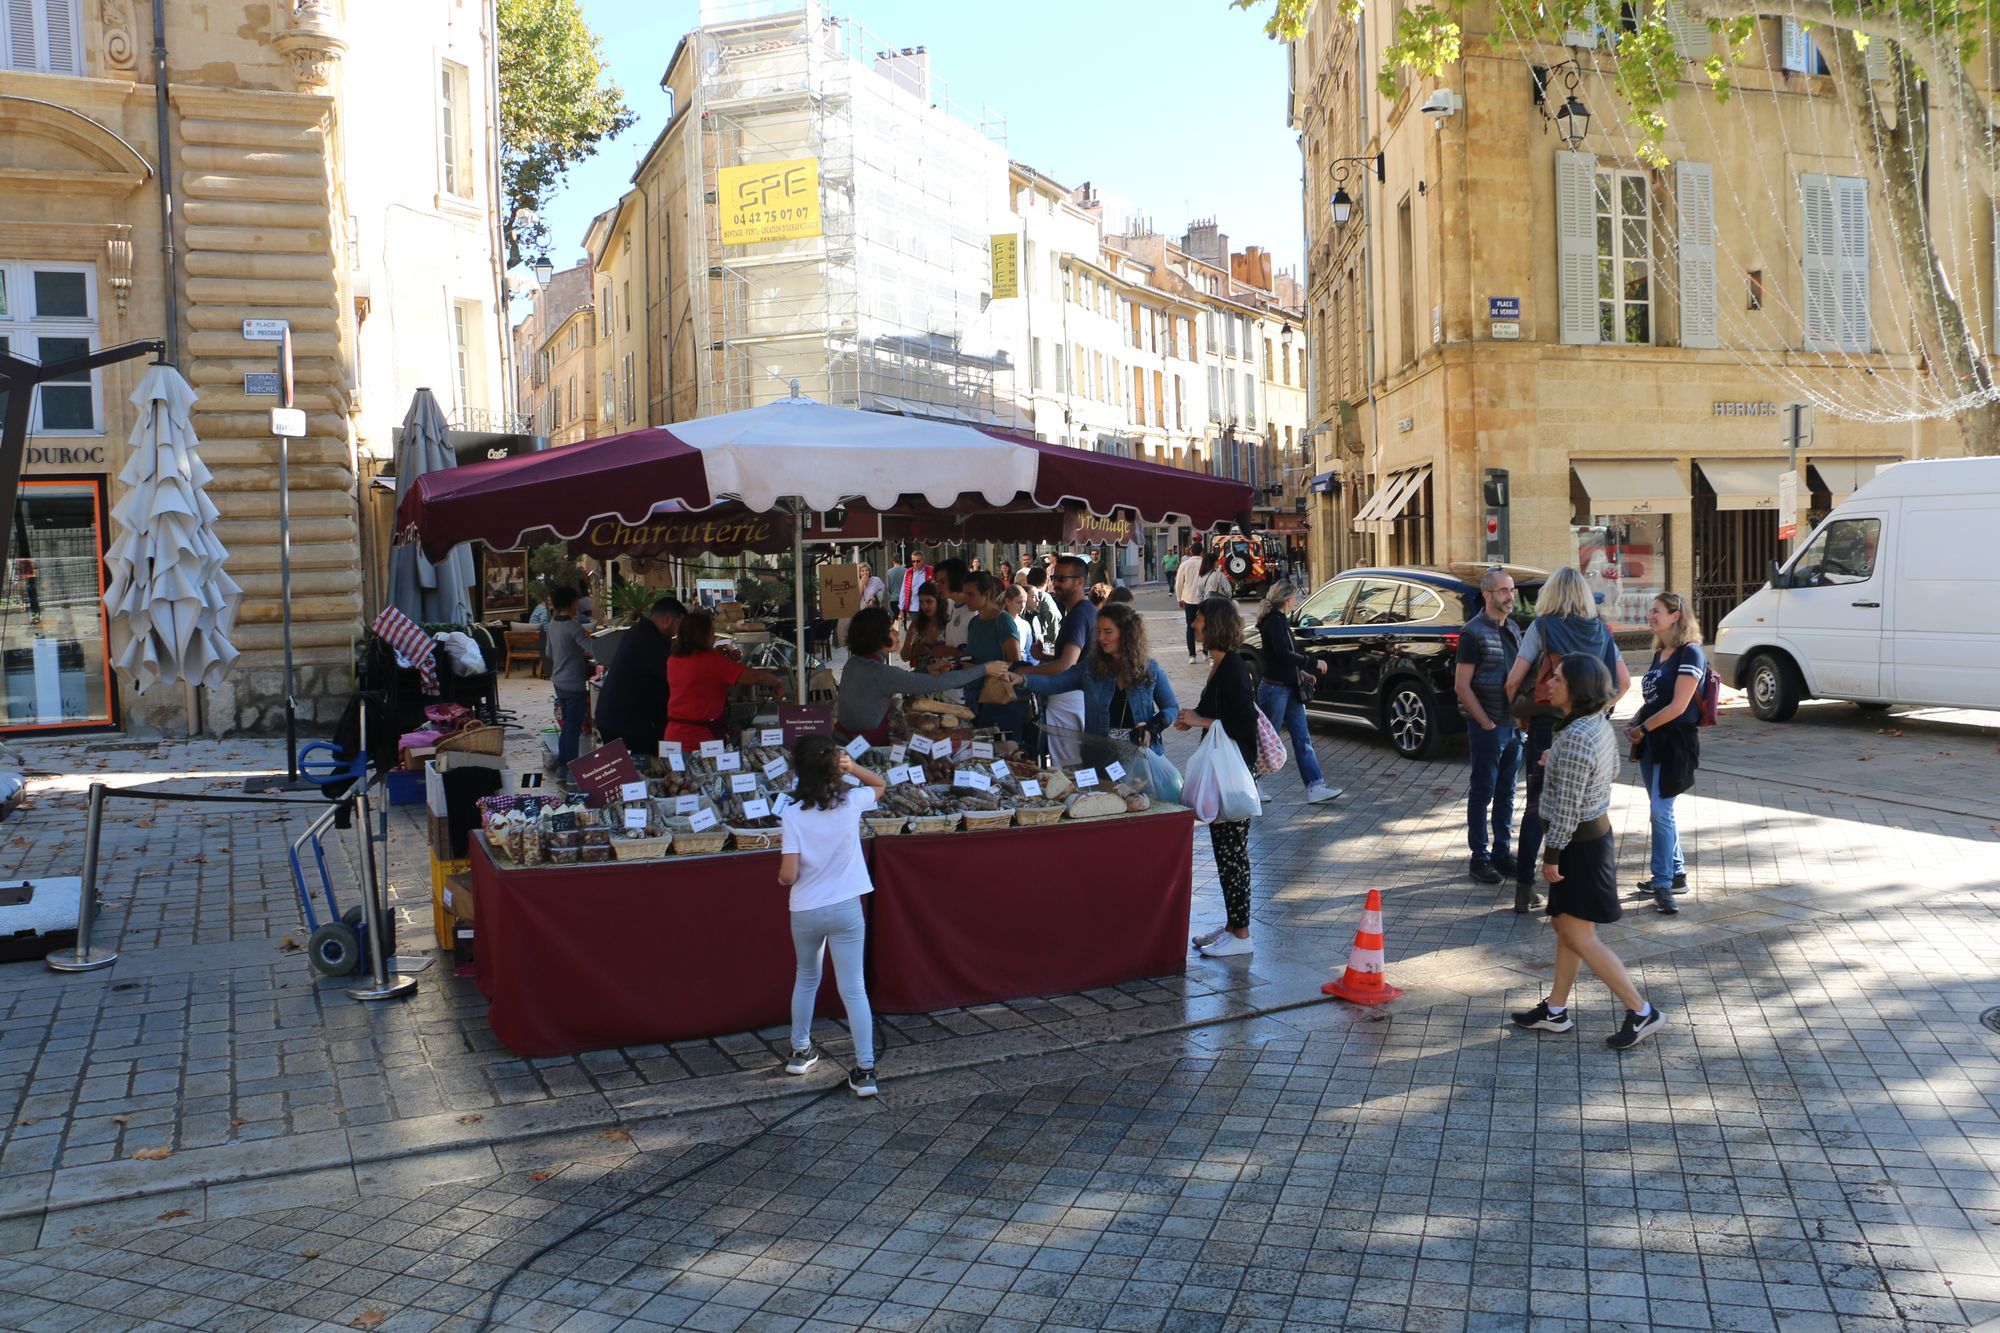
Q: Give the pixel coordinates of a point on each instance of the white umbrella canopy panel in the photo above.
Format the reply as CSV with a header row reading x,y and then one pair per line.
x,y
168,596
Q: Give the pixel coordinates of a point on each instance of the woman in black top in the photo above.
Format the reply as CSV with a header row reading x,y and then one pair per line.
x,y
1228,699
1286,686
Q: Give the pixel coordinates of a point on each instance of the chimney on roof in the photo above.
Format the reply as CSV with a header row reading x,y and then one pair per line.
x,y
1252,268
909,69
1207,242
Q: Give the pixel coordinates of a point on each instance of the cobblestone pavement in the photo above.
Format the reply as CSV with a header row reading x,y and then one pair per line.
x,y
210,1042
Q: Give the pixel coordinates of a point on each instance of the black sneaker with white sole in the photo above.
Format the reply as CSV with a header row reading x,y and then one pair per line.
x,y
1635,1030
1646,888
1540,1017
801,1061
862,1081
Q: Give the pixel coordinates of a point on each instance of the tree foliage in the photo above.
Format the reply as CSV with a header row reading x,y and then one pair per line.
x,y
556,105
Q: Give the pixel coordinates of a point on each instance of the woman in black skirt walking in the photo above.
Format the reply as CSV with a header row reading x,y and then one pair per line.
x,y
1579,860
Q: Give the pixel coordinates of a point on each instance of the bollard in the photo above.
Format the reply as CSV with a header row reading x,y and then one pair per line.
x,y
382,985
83,958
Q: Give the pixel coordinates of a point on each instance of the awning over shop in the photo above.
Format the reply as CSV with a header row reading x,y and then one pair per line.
x,y
1743,483
1388,503
1322,484
1632,486
1842,477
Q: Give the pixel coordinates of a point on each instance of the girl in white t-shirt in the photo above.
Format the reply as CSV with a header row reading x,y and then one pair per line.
x,y
824,866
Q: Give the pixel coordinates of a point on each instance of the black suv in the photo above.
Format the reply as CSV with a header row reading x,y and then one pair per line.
x,y
1389,638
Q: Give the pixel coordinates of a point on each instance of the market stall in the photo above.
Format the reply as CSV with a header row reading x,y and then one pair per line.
x,y
578,901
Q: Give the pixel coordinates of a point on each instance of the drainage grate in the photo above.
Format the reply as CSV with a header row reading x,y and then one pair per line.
x,y
1991,1018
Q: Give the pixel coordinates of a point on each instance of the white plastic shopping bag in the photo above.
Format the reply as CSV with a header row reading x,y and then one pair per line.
x,y
1218,785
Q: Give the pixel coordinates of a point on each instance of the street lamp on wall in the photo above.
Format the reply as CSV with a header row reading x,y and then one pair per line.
x,y
544,270
1572,118
1342,201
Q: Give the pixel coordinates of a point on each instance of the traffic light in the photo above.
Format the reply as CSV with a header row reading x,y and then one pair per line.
x,y
1494,493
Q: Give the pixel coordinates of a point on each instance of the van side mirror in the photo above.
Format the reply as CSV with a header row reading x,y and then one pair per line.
x,y
1779,578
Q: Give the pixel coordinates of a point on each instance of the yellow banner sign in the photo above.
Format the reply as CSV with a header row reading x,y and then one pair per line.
x,y
769,201
1006,267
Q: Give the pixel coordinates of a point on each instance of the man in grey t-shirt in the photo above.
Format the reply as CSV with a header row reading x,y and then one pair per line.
x,y
570,663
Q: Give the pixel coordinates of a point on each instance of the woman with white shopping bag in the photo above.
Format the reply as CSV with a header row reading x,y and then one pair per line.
x,y
1228,700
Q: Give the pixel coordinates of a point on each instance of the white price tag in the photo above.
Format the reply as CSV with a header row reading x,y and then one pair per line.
x,y
857,747
710,749
1086,777
632,791
1030,787
729,761
982,749
675,762
776,768
920,745
686,805
898,753
670,747
962,779
973,778
897,776
999,769
1115,771
635,817
771,736
743,782
757,809
701,821
783,803
850,779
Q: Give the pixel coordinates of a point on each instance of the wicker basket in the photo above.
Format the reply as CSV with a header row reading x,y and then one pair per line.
x,y
705,843
642,849
475,739
980,821
756,839
885,825
933,823
1036,816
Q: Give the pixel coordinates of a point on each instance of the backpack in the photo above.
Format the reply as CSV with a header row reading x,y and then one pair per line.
x,y
1710,695
1270,748
1537,697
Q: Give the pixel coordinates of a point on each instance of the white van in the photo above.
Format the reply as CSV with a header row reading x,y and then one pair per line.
x,y
1894,599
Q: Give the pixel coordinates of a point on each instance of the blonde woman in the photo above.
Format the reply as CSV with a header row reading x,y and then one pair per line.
x,y
1663,736
1290,678
1566,621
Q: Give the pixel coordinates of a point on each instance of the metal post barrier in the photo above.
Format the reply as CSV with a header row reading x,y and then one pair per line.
x,y
83,958
383,985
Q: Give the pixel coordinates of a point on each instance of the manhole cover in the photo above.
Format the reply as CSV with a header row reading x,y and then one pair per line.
x,y
1991,1018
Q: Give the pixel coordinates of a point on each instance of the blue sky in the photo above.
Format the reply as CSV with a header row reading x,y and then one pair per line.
x,y
1177,106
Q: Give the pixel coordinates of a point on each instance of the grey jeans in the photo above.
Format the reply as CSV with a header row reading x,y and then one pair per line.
x,y
841,926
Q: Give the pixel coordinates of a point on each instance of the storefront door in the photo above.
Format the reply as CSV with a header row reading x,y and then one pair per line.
x,y
1733,551
53,661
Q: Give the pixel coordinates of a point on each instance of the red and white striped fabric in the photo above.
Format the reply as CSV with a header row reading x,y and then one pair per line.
x,y
406,637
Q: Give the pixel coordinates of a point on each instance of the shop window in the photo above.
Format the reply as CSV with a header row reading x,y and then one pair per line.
x,y
53,664
49,312
1623,557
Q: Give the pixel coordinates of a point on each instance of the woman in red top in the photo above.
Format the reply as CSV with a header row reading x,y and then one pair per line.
x,y
699,679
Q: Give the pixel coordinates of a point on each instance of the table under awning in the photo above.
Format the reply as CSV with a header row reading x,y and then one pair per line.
x,y
1842,477
1388,503
1743,483
1632,486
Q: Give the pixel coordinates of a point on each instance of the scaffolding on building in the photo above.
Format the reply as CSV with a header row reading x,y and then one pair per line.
x,y
884,309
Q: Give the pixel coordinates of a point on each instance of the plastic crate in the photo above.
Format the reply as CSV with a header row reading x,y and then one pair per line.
x,y
405,787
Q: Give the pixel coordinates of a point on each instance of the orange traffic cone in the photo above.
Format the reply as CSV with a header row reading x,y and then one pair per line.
x,y
1364,982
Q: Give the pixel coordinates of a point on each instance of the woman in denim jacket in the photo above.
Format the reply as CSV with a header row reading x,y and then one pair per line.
x,y
1125,693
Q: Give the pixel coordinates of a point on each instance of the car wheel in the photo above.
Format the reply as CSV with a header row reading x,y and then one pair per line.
x,y
1775,688
1410,719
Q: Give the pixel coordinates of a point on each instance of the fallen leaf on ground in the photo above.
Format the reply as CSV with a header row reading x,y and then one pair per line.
x,y
152,1154
368,1319
121,1119
617,1134
470,1119
24,1121
289,945
237,1122
199,858
170,1216
81,1231
1863,758
340,1110
308,1254
538,1175
17,842
142,823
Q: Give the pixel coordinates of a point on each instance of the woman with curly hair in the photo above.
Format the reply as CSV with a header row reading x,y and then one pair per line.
x,y
1124,691
924,638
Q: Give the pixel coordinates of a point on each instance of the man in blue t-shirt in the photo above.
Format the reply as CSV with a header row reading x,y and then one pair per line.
x,y
1486,649
1069,585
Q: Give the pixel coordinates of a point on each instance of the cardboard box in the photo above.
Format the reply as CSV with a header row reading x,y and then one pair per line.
x,y
839,591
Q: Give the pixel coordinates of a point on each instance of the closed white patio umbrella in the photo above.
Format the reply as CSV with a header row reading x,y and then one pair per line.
x,y
428,593
169,598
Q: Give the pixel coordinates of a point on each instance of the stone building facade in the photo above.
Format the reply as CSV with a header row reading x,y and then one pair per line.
x,y
275,196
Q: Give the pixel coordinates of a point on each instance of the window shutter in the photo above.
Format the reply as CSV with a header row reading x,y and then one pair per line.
x,y
20,50
1694,202
1798,48
1821,258
1576,246
1691,36
61,17
1850,197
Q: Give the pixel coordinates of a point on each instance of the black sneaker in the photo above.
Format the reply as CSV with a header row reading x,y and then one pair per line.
x,y
862,1081
1664,901
1540,1017
1482,871
1504,864
801,1061
1646,888
1636,1029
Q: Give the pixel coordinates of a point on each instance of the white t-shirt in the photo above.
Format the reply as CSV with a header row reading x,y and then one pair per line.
x,y
955,626
828,845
